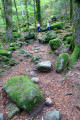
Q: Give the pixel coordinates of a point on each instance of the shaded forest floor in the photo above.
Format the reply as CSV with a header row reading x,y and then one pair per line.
x,y
53,85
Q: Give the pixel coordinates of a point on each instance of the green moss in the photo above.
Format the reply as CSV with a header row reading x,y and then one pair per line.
x,y
11,48
19,44
5,53
16,35
67,35
1,44
75,55
24,92
12,62
36,59
4,58
58,25
69,39
62,62
55,43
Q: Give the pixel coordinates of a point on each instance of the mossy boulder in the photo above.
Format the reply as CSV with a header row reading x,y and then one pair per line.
x,y
5,53
58,25
16,35
24,53
47,37
4,58
42,29
44,66
12,62
29,35
36,59
18,44
55,43
69,39
11,48
62,62
23,92
67,35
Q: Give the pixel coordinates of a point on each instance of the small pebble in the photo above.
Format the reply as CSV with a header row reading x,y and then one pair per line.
x,y
48,102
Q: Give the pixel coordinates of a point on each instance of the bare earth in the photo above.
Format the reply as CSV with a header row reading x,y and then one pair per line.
x,y
51,84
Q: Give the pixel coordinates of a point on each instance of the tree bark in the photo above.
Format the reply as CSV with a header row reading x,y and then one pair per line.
x,y
76,23
71,10
38,11
7,4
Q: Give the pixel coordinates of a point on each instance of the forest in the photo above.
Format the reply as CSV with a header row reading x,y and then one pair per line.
x,y
39,59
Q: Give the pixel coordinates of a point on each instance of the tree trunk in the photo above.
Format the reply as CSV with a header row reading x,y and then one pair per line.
x,y
76,53
22,8
71,10
16,12
38,11
27,15
7,4
34,13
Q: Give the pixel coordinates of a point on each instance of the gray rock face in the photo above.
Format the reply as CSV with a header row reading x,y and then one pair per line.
x,y
44,66
53,115
35,80
1,116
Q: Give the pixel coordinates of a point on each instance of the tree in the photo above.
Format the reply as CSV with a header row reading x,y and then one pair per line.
x,y
71,10
38,11
7,4
76,53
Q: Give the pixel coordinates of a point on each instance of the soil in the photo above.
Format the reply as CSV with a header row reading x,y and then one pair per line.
x,y
62,88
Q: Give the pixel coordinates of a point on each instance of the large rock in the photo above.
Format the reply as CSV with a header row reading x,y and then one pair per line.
x,y
62,62
47,37
5,53
29,35
53,115
44,66
55,43
23,92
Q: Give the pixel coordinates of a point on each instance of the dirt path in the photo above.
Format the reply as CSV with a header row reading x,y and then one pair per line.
x,y
51,84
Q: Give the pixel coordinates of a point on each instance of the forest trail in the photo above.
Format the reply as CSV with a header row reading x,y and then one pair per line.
x,y
53,85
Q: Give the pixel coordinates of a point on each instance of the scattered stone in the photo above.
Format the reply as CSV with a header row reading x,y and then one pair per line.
x,y
47,92
26,95
68,93
48,102
44,66
36,51
53,115
35,80
2,106
1,116
13,110
36,59
32,73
